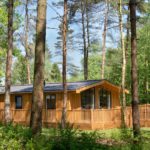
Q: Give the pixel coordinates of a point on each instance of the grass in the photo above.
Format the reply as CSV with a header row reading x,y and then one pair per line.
x,y
71,139
117,139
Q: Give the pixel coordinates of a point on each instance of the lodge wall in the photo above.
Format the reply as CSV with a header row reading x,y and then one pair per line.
x,y
74,99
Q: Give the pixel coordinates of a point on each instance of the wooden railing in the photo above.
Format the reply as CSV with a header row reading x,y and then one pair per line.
x,y
84,119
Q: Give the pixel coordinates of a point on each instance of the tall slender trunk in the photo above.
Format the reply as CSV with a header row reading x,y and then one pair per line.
x,y
88,34
84,40
104,40
123,64
26,42
127,35
134,77
64,110
9,62
38,86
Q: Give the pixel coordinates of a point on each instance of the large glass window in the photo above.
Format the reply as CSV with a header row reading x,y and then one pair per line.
x,y
18,102
51,101
104,99
87,99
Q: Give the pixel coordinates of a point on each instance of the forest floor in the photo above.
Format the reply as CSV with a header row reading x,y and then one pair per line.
x,y
19,137
115,139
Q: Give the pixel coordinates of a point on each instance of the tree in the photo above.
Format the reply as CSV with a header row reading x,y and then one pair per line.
x,y
104,38
19,71
86,10
55,73
84,40
26,41
134,81
144,63
38,85
3,38
64,110
123,78
9,61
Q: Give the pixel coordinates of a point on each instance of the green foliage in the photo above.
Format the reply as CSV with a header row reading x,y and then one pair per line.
x,y
55,73
40,142
19,137
73,139
19,73
94,66
144,64
112,66
14,137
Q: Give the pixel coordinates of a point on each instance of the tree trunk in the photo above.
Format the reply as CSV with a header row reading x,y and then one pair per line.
x,y
26,42
84,40
64,110
104,40
134,81
38,86
88,35
9,62
123,98
127,35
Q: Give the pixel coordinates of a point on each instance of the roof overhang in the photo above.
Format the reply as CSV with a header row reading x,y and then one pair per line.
x,y
101,83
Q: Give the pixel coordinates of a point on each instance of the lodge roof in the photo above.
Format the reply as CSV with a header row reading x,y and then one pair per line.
x,y
51,87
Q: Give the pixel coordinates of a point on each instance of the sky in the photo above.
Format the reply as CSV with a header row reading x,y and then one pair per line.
x,y
75,56
51,34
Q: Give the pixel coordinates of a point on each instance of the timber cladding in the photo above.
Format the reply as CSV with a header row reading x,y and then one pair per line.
x,y
73,102
92,117
81,118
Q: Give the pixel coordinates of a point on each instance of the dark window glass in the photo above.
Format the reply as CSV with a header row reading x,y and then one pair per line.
x,y
51,101
105,98
18,102
87,99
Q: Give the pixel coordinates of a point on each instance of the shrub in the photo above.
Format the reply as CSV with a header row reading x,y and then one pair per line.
x,y
73,139
14,137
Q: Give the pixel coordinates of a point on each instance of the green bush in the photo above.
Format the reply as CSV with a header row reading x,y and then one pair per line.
x,y
20,138
14,137
73,139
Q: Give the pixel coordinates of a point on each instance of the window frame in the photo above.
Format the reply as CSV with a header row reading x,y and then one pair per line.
x,y
48,106
90,102
18,96
108,103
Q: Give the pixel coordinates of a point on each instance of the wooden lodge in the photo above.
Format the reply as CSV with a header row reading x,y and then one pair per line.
x,y
92,104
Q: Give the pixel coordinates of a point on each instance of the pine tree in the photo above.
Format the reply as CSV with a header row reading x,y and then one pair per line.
x,y
26,41
134,77
9,61
55,73
38,86
64,110
123,78
104,39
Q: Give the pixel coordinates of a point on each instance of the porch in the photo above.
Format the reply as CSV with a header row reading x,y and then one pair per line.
x,y
84,118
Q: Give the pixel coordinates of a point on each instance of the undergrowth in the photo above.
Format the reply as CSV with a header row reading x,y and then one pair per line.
x,y
20,138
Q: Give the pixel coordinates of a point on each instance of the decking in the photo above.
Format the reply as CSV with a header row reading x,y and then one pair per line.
x,y
84,119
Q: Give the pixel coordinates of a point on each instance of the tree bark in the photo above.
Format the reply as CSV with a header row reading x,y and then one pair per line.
x,y
123,64
134,77
127,35
38,85
104,40
9,62
88,35
84,40
26,42
64,110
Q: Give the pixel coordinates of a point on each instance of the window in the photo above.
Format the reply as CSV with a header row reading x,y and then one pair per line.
x,y
51,101
105,99
87,99
18,102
